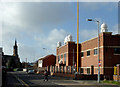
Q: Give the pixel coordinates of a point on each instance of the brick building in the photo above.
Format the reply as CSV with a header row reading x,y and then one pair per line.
x,y
64,57
109,54
47,62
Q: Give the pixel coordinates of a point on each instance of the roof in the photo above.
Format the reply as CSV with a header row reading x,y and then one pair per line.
x,y
46,56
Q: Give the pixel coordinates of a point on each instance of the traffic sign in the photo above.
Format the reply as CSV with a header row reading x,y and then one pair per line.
x,y
75,64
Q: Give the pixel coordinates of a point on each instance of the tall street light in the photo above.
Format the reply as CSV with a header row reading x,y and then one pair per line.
x,y
77,32
98,49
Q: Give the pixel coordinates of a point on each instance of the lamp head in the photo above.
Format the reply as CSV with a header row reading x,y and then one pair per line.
x,y
89,20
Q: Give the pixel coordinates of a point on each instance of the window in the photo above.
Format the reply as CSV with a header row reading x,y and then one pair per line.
x,y
117,50
82,54
88,70
82,71
63,69
52,68
95,51
68,69
61,56
88,53
57,68
58,58
60,69
40,61
64,58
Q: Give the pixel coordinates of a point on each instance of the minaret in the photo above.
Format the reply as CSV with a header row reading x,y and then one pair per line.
x,y
15,49
104,28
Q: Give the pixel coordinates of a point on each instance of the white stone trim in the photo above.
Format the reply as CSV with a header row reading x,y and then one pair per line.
x,y
91,49
88,56
62,54
113,46
101,47
95,55
97,67
117,54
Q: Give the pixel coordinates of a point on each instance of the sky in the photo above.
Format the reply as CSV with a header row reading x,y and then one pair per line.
x,y
38,25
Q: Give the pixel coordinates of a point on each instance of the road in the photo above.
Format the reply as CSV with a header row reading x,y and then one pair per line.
x,y
22,79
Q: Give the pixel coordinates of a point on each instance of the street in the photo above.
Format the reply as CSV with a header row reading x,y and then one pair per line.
x,y
22,79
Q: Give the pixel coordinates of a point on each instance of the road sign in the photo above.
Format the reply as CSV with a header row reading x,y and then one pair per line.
x,y
75,64
99,64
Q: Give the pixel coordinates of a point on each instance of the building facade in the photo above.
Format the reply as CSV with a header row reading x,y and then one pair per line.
x,y
109,55
65,56
48,62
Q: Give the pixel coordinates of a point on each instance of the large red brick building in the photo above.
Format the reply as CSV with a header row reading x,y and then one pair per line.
x,y
109,53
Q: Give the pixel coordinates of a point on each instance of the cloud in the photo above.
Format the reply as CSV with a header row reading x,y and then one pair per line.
x,y
30,21
27,51
34,52
86,34
50,41
33,17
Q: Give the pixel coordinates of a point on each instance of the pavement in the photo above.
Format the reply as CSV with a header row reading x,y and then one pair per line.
x,y
22,79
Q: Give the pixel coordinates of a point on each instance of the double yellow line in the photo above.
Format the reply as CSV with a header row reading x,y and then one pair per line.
x,y
21,81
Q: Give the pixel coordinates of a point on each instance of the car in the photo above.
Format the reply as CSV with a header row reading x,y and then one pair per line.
x,y
31,72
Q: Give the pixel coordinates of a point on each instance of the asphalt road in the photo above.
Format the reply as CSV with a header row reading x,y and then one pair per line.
x,y
22,79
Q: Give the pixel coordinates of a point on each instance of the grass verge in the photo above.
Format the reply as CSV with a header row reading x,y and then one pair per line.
x,y
111,82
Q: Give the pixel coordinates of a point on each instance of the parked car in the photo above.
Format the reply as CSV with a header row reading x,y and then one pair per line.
x,y
31,72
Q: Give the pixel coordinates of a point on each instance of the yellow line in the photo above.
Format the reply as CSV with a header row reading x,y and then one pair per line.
x,y
21,81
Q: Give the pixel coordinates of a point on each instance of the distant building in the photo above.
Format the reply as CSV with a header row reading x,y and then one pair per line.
x,y
47,62
11,61
88,55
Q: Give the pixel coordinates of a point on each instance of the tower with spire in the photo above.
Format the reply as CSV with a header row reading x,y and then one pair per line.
x,y
15,49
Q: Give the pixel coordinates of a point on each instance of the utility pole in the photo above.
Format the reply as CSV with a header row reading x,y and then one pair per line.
x,y
26,63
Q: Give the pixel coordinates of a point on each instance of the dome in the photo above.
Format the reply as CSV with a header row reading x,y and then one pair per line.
x,y
104,28
104,25
68,39
58,44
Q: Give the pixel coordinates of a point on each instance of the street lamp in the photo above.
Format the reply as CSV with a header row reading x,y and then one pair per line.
x,y
46,50
98,49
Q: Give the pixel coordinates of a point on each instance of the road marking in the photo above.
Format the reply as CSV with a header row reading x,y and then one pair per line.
x,y
21,81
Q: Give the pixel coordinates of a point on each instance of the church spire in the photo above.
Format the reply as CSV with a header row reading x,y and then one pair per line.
x,y
15,49
15,42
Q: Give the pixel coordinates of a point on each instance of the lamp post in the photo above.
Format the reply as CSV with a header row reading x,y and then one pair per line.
x,y
98,49
77,33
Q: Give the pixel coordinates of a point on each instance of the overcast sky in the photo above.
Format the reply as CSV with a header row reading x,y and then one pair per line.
x,y
38,25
